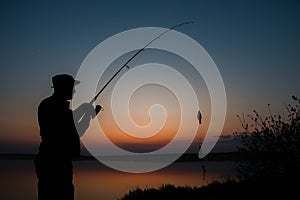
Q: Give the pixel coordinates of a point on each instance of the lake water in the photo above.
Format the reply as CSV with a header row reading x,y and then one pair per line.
x,y
94,181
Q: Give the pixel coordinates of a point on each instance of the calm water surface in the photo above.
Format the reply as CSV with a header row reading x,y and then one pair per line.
x,y
95,181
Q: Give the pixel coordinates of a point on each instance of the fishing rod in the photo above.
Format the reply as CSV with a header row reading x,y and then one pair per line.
x,y
137,53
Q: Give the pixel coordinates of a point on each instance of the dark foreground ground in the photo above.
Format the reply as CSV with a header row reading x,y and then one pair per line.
x,y
283,188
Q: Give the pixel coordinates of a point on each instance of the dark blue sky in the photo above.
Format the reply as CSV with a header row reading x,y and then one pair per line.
x,y
255,44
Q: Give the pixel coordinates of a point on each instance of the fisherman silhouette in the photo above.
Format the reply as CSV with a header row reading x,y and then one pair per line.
x,y
60,142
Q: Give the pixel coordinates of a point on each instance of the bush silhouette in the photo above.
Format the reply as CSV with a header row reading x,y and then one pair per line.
x,y
270,146
228,189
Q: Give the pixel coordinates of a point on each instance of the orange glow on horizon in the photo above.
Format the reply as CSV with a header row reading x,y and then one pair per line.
x,y
139,144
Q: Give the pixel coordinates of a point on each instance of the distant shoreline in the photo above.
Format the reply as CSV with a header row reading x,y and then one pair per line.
x,y
189,157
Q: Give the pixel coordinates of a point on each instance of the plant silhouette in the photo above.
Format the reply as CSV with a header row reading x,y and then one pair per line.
x,y
271,144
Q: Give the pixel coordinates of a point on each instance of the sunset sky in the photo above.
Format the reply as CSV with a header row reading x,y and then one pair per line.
x,y
255,45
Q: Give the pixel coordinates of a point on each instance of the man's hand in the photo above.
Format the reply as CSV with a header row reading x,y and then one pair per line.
x,y
86,110
98,108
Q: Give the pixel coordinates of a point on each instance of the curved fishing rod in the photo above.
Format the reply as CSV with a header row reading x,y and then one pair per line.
x,y
137,53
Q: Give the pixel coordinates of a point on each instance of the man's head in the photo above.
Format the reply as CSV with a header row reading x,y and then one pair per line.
x,y
63,85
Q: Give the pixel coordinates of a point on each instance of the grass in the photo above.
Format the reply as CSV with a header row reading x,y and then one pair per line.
x,y
279,188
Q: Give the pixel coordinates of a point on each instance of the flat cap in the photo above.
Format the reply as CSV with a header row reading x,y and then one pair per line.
x,y
61,80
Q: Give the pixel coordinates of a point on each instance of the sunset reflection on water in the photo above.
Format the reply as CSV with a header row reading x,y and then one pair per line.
x,y
96,181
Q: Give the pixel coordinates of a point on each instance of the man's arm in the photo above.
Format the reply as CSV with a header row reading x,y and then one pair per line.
x,y
83,115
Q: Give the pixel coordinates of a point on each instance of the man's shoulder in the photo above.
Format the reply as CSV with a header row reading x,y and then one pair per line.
x,y
46,102
53,103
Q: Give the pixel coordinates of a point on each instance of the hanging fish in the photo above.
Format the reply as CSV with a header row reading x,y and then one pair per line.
x,y
199,116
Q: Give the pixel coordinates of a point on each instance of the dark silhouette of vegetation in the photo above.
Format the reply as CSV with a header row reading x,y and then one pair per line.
x,y
227,189
271,145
